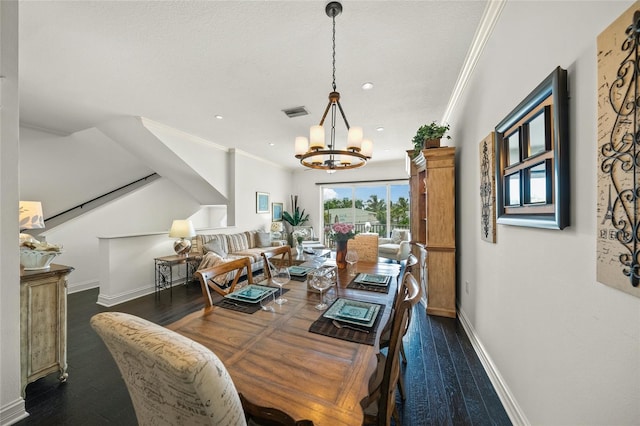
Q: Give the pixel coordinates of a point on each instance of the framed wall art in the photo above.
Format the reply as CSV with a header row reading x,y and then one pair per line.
x,y
618,193
487,190
262,202
532,158
276,212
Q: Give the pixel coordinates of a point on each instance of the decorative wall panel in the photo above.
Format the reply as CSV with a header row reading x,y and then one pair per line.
x,y
618,197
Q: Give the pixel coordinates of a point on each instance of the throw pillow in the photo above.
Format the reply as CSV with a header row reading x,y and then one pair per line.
x,y
215,246
210,260
264,239
237,242
395,236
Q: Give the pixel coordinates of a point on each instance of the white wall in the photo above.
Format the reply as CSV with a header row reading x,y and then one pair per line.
x,y
566,346
251,174
11,403
148,209
64,171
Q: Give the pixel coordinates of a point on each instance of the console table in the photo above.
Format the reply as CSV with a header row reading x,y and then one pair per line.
x,y
164,269
43,323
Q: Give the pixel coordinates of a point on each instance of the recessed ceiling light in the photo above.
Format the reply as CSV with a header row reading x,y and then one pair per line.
x,y
380,129
219,117
271,144
367,86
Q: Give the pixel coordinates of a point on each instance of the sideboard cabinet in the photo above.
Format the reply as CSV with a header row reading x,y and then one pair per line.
x,y
433,224
43,323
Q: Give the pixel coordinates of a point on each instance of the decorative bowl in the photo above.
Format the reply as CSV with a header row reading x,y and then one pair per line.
x,y
33,260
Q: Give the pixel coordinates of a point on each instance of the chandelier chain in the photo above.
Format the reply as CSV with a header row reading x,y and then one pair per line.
x,y
334,52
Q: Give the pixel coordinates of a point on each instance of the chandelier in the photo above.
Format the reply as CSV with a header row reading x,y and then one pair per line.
x,y
312,152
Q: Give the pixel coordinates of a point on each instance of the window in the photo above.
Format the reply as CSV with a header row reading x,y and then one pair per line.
x,y
384,205
532,176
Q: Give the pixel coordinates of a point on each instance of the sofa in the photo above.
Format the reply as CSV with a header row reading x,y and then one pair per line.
x,y
397,247
233,246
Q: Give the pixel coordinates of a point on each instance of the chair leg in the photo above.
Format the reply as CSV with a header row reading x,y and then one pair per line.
x,y
401,387
404,356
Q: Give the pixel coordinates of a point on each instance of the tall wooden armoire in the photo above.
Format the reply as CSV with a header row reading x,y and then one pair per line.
x,y
433,223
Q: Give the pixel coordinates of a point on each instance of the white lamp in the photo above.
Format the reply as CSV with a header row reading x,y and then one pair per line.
x,y
182,229
30,215
276,229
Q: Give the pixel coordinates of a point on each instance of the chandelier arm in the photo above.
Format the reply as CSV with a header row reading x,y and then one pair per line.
x,y
325,113
343,116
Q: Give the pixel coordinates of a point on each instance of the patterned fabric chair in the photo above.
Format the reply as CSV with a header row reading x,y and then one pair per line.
x,y
173,380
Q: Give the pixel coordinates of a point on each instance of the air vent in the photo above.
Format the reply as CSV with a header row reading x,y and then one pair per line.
x,y
295,112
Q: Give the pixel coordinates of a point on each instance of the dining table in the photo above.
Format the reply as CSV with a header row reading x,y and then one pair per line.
x,y
276,361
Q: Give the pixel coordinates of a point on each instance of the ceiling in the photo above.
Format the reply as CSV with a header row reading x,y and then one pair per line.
x,y
181,63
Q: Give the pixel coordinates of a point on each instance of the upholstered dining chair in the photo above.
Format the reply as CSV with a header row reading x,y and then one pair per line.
x,y
366,245
280,256
379,406
173,380
216,277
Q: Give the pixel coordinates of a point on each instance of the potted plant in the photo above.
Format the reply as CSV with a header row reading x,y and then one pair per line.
x,y
428,136
295,218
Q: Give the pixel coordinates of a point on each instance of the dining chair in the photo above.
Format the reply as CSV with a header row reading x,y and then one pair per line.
x,y
216,277
173,380
379,405
385,334
366,245
280,256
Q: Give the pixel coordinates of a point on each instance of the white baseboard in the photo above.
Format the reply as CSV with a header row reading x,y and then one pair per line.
x,y
13,412
82,286
515,413
112,300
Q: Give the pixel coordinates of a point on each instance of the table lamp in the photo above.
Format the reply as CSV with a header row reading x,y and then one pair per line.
x,y
182,229
30,215
276,229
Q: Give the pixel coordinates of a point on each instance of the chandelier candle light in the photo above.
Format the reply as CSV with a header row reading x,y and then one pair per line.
x,y
312,152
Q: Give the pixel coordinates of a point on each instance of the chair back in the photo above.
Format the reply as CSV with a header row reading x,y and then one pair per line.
x,y
366,246
384,380
169,376
280,256
210,277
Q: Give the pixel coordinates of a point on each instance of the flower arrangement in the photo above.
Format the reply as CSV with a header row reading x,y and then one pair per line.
x,y
299,235
341,231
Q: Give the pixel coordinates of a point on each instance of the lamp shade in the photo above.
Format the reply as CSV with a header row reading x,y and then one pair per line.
x,y
182,229
30,215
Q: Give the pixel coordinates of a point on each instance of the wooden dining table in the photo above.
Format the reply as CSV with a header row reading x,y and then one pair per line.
x,y
274,360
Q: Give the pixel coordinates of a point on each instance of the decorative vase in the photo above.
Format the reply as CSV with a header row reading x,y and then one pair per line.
x,y
341,254
300,254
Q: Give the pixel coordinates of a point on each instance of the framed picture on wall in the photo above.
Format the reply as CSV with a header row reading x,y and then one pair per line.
x,y
262,202
276,212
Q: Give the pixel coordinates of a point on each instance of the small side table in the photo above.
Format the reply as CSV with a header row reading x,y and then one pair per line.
x,y
164,270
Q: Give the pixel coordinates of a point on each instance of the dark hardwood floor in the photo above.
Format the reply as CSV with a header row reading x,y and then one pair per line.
x,y
444,380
